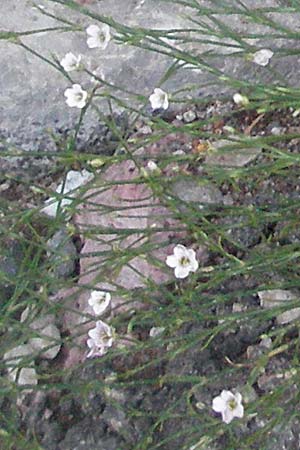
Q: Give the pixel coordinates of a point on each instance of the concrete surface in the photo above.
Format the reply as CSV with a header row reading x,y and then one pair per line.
x,y
31,91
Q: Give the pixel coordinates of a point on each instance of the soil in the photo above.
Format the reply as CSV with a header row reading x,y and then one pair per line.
x,y
155,397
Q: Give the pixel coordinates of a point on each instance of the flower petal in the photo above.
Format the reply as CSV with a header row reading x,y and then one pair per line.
x,y
239,411
92,30
227,415
181,272
218,404
227,395
172,261
180,251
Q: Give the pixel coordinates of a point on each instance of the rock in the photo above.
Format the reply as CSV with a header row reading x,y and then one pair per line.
x,y
278,297
269,381
256,351
62,254
13,361
68,190
288,316
27,376
239,232
49,334
189,116
275,297
191,191
231,154
89,434
41,344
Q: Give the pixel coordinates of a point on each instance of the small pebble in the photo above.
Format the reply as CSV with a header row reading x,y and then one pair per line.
x,y
189,116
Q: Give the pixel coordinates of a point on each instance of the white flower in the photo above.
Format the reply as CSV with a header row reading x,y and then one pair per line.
x,y
76,96
99,301
70,62
262,57
100,339
159,99
229,405
240,100
98,37
183,261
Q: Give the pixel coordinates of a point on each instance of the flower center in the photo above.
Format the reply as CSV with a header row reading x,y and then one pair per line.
x,y
101,37
78,97
184,261
232,404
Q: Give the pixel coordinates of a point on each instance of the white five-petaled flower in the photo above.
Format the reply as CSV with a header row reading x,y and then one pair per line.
x,y
183,261
76,96
70,62
159,99
229,405
98,37
100,339
99,301
262,57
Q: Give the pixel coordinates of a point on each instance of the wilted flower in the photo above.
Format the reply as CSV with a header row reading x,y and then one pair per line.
x,y
70,62
98,37
229,405
183,261
100,339
240,100
99,301
159,99
76,96
262,57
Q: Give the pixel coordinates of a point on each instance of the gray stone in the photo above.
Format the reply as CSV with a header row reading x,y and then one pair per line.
x,y
279,297
275,297
13,361
189,116
27,82
191,191
288,316
62,254
89,434
240,232
44,344
47,341
231,154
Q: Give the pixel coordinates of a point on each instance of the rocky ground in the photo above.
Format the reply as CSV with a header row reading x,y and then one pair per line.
x,y
154,395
